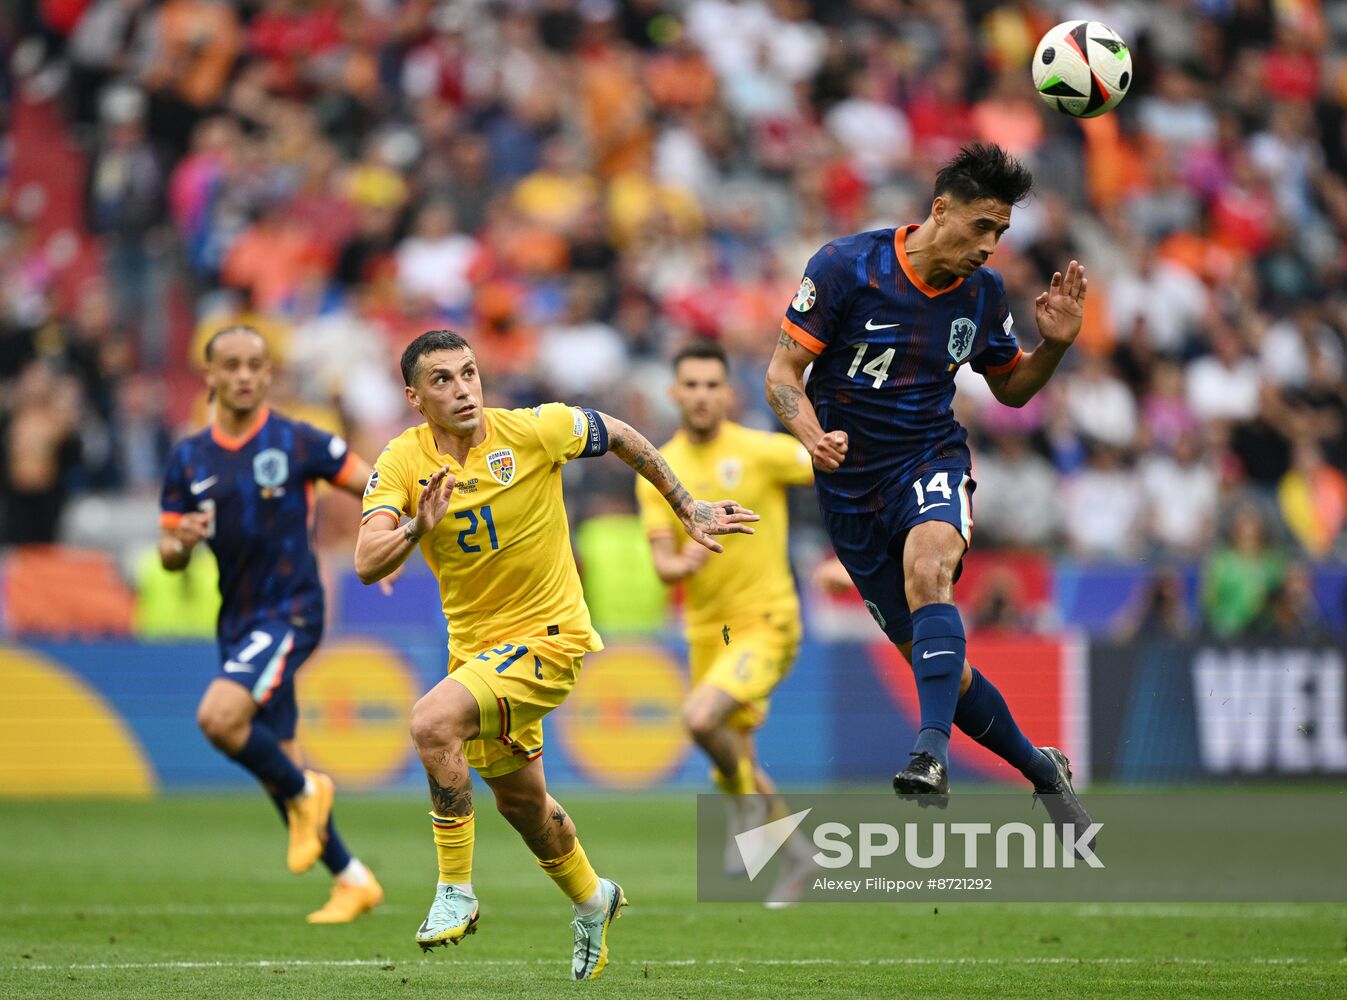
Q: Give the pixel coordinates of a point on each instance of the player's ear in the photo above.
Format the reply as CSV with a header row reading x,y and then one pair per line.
x,y
412,399
939,206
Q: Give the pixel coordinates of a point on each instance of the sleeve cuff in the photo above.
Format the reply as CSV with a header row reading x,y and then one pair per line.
x,y
802,337
170,519
392,512
1005,368
347,471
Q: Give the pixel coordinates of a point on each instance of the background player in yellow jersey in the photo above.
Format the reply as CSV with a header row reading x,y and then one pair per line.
x,y
481,490
741,613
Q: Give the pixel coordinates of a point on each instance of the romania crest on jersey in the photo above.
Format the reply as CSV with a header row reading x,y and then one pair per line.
x,y
501,464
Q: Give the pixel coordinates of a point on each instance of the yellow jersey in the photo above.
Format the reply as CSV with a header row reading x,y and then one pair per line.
x,y
502,552
751,578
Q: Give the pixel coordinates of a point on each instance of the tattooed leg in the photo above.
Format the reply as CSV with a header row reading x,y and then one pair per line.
x,y
522,799
441,722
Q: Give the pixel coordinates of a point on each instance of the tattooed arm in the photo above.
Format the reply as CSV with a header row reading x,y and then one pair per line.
x,y
700,519
785,392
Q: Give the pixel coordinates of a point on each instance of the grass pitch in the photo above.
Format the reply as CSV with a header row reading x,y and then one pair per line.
x,y
188,896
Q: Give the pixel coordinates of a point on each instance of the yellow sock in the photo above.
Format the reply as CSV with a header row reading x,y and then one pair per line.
x,y
743,782
573,874
453,845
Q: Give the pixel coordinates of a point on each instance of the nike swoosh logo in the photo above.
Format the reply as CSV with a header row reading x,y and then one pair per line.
x,y
872,325
202,485
944,652
932,506
237,668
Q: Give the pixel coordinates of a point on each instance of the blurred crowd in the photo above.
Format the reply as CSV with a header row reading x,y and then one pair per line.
x,y
580,187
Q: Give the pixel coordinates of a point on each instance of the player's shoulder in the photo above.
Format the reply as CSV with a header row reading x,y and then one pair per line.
x,y
191,445
988,278
854,245
405,444
742,436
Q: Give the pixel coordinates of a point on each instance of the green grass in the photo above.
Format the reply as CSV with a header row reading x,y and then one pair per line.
x,y
188,896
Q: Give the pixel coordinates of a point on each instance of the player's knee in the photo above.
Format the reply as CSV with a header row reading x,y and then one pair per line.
x,y
700,721
432,724
930,581
226,731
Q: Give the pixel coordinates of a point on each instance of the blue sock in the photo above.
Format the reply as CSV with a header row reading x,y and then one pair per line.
x,y
983,714
938,648
335,855
263,757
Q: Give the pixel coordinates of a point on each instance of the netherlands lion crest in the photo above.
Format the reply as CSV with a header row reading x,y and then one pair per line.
x,y
961,334
271,468
501,464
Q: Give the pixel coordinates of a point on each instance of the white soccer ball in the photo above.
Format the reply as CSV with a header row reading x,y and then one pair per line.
x,y
1082,68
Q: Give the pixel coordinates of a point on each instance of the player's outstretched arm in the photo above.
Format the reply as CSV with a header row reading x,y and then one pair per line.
x,y
785,393
674,562
1059,312
700,518
354,477
383,544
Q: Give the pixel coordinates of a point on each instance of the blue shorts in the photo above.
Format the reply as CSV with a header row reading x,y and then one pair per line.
x,y
870,545
264,659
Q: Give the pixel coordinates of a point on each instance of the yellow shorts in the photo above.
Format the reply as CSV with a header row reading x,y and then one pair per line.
x,y
747,669
515,685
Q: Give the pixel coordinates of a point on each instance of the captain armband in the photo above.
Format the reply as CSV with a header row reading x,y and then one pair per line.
x,y
597,442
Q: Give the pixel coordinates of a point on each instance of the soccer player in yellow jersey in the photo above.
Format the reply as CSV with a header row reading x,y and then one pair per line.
x,y
479,491
741,612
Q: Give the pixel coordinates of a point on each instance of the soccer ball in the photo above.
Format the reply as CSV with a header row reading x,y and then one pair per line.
x,y
1082,68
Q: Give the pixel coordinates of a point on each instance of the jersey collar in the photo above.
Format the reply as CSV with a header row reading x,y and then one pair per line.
x,y
234,443
900,248
428,442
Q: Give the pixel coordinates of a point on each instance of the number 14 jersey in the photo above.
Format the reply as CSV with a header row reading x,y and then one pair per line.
x,y
502,553
888,347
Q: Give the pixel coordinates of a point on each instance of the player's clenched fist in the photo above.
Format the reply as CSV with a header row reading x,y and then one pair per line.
x,y
192,528
829,451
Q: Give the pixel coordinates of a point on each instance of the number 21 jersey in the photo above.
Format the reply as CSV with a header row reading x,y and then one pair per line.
x,y
502,553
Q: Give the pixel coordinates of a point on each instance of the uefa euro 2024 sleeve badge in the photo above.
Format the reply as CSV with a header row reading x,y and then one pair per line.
x,y
805,296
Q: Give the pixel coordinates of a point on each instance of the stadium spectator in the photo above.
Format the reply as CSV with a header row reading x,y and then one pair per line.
x,y
1292,612
1182,493
39,446
1102,507
1312,497
1158,611
361,171
1238,577
1018,501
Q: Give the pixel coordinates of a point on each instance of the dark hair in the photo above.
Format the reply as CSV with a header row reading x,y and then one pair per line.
x,y
224,331
431,340
984,170
701,348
